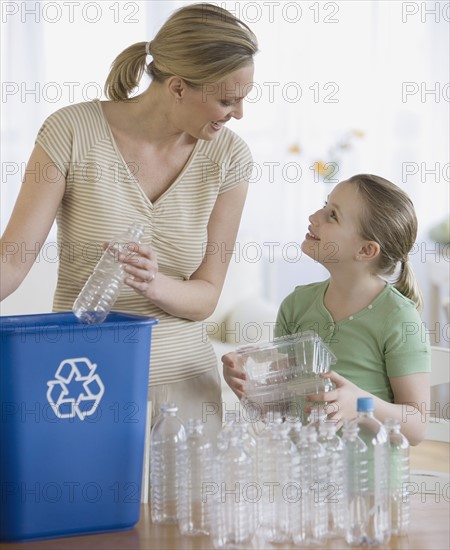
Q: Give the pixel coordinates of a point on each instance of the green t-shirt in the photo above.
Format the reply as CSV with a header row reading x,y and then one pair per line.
x,y
384,340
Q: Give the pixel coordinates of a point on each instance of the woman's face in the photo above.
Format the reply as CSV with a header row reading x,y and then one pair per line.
x,y
203,112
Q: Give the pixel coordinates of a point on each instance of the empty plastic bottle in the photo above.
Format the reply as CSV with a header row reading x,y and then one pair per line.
x,y
356,503
277,453
232,501
399,477
317,417
195,468
299,508
376,527
102,289
334,448
166,440
318,519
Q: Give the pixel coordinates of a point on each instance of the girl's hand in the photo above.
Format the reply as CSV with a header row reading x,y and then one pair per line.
x,y
233,374
341,401
141,267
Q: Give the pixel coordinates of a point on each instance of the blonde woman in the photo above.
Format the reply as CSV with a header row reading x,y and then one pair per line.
x,y
164,159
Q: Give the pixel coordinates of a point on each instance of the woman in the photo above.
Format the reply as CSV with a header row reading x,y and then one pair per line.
x,y
163,159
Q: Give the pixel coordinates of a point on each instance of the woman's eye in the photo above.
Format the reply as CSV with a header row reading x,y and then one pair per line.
x,y
333,215
226,103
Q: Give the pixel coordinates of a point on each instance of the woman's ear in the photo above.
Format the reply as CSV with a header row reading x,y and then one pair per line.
x,y
368,251
176,87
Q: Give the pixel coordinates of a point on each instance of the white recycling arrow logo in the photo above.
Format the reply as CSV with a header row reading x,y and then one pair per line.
x,y
85,389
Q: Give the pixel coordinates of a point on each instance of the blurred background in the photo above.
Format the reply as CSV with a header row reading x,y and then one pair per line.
x,y
340,88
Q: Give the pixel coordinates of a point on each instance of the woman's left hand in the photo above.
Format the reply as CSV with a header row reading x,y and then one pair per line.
x,y
341,401
141,267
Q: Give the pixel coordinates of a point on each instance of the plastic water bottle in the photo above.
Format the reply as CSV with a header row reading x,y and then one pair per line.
x,y
166,439
277,453
356,503
102,289
318,520
334,448
195,464
299,508
317,417
232,507
399,478
376,527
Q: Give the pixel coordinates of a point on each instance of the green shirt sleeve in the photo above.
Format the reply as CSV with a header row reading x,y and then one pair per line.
x,y
407,348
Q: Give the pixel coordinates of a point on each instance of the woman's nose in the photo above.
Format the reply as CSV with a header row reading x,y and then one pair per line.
x,y
238,110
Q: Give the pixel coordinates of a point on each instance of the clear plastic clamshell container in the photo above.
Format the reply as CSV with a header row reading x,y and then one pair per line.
x,y
281,371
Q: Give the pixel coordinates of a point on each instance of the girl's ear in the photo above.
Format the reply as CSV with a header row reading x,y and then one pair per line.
x,y
369,251
176,87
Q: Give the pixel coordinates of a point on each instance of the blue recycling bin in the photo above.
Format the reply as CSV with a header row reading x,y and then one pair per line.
x,y
72,427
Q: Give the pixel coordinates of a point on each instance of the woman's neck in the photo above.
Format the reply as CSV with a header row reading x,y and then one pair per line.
x,y
147,117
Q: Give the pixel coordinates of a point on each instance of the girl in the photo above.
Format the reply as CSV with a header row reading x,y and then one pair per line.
x,y
364,232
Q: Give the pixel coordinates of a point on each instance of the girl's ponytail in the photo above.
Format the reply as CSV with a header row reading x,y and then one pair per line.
x,y
407,285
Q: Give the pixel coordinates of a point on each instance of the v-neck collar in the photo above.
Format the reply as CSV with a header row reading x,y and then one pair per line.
x,y
131,175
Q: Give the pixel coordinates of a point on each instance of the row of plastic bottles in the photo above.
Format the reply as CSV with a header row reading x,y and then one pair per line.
x,y
291,483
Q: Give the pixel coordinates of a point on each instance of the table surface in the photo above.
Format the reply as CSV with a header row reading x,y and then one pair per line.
x,y
429,526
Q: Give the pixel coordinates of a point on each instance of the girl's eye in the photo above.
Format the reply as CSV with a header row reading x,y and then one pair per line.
x,y
332,213
226,103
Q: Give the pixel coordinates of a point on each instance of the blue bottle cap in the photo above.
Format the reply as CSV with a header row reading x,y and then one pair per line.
x,y
365,404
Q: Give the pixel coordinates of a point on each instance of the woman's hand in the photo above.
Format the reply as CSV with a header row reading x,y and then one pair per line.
x,y
341,401
141,267
233,374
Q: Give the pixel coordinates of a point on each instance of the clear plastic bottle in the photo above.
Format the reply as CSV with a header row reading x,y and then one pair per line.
x,y
277,453
318,519
232,507
334,448
376,529
166,440
195,464
317,417
102,289
356,485
299,508
399,478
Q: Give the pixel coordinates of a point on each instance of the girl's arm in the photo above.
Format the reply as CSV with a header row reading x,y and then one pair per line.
x,y
32,218
196,298
411,406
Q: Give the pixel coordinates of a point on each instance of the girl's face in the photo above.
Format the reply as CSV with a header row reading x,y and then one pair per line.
x,y
333,237
203,112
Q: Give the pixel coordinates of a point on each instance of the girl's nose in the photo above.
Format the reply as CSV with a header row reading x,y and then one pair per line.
x,y
314,218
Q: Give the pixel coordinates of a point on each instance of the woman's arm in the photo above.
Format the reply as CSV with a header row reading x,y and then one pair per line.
x,y
411,395
32,218
196,298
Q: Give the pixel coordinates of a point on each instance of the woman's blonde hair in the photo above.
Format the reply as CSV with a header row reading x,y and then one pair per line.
x,y
201,43
390,220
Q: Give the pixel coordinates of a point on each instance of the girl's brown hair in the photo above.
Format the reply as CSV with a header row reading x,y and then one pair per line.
x,y
201,43
390,220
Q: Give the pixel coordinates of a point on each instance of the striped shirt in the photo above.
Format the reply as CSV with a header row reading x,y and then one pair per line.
x,y
103,198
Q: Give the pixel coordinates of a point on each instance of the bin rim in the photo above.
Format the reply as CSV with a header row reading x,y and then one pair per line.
x,y
65,319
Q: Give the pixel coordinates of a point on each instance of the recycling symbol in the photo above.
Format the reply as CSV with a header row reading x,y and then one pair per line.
x,y
76,390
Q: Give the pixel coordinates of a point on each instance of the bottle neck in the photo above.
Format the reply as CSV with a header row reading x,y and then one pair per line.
x,y
365,414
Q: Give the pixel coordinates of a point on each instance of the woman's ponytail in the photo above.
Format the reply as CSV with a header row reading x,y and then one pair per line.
x,y
126,72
